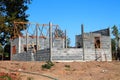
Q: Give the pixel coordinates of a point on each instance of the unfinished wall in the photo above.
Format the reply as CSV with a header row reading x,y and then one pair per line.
x,y
78,41
91,52
22,57
73,54
76,54
96,46
68,54
59,43
97,55
42,55
43,43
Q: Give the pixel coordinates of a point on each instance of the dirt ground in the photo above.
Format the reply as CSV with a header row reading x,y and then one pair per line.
x,y
63,70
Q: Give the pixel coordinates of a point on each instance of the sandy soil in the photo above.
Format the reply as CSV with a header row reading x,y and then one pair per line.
x,y
63,70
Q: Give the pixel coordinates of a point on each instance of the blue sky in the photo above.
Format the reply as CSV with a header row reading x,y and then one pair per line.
x,y
70,14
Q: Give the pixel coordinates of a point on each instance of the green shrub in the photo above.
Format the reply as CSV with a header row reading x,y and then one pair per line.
x,y
48,65
6,54
5,77
67,66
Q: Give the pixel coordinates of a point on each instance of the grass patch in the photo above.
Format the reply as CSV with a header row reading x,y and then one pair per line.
x,y
9,76
6,77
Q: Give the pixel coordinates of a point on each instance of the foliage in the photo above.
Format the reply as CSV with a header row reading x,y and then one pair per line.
x,y
115,31
6,54
1,50
67,66
30,78
48,65
115,42
7,48
60,33
113,45
6,77
10,11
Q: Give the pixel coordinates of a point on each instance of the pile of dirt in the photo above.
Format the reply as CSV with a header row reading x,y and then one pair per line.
x,y
63,70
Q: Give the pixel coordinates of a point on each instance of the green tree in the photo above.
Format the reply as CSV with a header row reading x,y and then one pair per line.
x,y
115,41
60,33
10,11
7,52
113,45
1,52
115,32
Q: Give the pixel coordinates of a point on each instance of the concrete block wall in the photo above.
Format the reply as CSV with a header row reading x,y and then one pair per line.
x,y
106,42
76,54
22,57
89,55
69,54
42,43
59,53
78,41
43,55
58,43
101,54
98,55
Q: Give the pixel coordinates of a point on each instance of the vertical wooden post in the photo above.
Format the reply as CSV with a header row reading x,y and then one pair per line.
x,y
65,39
50,40
82,32
37,37
110,45
26,40
109,31
19,44
11,49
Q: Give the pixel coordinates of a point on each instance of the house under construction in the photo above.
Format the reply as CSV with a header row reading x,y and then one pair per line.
x,y
48,45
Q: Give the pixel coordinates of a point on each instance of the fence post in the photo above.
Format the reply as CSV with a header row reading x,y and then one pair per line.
x,y
50,40
82,31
